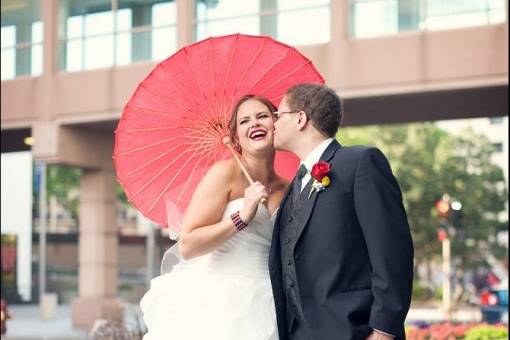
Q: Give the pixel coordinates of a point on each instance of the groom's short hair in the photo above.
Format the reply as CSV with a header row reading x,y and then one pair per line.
x,y
320,103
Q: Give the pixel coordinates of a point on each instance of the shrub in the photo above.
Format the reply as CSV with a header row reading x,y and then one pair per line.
x,y
421,291
487,333
450,331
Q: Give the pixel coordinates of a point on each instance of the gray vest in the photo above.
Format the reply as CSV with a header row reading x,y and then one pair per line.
x,y
290,220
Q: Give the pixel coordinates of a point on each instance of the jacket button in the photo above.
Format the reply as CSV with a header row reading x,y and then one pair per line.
x,y
289,262
290,219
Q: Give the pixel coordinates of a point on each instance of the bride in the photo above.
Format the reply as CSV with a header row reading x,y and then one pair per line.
x,y
222,290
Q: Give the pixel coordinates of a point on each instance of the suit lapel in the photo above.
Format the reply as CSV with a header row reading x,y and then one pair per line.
x,y
309,203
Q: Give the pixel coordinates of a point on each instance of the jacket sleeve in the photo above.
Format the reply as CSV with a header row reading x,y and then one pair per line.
x,y
383,220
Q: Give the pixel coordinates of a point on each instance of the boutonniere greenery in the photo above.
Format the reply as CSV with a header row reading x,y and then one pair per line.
x,y
320,174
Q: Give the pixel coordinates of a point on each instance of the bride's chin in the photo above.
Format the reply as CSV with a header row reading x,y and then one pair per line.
x,y
261,149
267,146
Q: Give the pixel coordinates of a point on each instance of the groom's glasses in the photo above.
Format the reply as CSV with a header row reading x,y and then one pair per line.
x,y
277,114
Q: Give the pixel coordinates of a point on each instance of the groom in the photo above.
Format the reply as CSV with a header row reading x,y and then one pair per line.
x,y
341,260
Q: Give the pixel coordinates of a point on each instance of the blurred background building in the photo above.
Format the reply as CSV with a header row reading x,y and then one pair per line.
x,y
68,67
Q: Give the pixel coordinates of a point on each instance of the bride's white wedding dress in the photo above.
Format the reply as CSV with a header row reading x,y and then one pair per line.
x,y
224,295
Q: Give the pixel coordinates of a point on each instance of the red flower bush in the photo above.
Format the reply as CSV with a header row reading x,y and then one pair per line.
x,y
445,331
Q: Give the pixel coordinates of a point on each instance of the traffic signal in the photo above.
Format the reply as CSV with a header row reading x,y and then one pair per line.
x,y
443,207
456,215
442,234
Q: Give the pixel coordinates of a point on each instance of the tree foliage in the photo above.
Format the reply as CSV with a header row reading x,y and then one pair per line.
x,y
63,182
428,162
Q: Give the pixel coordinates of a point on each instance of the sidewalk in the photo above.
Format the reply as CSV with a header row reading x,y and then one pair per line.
x,y
433,313
26,324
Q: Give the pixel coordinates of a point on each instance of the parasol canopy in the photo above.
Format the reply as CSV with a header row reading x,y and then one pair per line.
x,y
171,129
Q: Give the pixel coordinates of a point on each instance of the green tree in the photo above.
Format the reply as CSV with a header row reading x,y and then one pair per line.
x,y
428,162
63,183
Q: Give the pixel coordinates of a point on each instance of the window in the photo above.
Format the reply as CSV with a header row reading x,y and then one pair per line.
x,y
105,33
445,14
22,39
369,18
496,120
498,147
214,18
288,21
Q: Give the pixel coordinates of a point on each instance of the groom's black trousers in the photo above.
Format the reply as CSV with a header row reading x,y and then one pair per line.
x,y
298,332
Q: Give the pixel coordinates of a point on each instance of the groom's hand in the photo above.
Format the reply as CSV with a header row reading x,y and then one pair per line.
x,y
376,335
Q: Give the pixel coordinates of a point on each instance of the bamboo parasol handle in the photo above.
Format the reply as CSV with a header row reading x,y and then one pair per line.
x,y
228,143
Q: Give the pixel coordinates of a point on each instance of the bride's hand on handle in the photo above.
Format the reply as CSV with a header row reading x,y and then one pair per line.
x,y
252,197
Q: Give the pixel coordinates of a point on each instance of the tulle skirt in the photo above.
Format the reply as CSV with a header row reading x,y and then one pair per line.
x,y
195,302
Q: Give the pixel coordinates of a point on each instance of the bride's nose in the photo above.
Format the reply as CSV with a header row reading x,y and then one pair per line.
x,y
254,123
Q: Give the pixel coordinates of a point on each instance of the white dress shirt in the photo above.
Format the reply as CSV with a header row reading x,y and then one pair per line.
x,y
312,158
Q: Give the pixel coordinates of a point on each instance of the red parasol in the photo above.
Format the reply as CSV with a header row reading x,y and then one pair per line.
x,y
172,128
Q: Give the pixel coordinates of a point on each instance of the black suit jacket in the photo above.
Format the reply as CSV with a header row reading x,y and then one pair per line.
x,y
354,253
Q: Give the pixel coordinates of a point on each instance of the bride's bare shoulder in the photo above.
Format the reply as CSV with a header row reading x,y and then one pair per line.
x,y
224,168
221,174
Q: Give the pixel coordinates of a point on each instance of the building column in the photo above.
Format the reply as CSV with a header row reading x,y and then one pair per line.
x,y
185,20
341,23
51,24
98,250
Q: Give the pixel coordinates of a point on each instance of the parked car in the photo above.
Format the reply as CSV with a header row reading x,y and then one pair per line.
x,y
494,303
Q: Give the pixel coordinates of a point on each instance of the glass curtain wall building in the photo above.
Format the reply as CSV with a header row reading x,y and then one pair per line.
x,y
106,33
22,39
295,22
103,33
371,18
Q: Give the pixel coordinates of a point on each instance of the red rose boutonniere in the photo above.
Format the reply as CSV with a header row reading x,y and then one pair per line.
x,y
320,174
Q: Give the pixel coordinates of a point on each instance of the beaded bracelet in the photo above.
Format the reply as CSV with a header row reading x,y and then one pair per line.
x,y
238,222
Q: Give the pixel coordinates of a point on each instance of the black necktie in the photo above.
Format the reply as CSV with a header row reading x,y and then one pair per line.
x,y
301,171
296,189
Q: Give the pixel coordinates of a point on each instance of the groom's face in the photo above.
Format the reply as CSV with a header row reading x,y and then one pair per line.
x,y
284,126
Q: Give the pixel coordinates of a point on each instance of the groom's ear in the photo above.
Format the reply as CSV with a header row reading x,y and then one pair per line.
x,y
302,120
